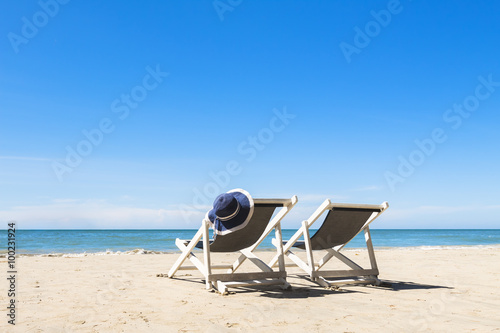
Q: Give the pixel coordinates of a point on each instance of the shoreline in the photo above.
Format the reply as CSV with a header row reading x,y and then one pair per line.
x,y
152,252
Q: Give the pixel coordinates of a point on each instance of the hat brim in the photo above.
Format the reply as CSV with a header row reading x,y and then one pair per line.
x,y
240,220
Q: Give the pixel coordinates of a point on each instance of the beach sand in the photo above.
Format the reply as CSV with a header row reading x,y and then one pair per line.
x,y
438,290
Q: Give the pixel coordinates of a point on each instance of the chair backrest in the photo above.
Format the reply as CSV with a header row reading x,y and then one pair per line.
x,y
340,226
250,234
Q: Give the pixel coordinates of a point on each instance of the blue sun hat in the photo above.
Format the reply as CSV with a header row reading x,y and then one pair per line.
x,y
231,211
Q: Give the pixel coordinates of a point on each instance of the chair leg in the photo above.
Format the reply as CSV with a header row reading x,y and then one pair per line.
x,y
281,257
285,285
206,254
322,282
222,288
309,252
369,245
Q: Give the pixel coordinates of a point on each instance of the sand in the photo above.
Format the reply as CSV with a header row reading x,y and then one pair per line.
x,y
433,290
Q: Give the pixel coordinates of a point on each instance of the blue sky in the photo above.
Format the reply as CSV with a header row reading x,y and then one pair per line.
x,y
137,114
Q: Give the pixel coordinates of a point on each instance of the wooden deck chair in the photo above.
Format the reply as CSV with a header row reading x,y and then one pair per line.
x,y
244,241
342,223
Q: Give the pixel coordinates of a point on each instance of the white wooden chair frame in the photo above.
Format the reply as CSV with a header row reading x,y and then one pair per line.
x,y
356,274
221,282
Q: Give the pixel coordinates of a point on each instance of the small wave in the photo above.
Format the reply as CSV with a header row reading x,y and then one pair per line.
x,y
441,247
111,253
91,254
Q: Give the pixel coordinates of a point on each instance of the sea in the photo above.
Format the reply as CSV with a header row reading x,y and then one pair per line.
x,y
147,241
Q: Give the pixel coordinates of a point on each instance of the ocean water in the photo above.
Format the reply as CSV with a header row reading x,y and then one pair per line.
x,y
64,242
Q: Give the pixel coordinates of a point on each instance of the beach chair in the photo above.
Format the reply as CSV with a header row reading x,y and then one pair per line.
x,y
244,241
342,223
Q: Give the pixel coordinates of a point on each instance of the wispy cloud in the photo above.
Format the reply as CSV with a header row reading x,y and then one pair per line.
x,y
24,158
73,214
126,198
483,216
443,210
64,200
319,198
367,188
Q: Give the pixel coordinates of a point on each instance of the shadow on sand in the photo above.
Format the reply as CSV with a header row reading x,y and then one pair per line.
x,y
403,285
303,288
